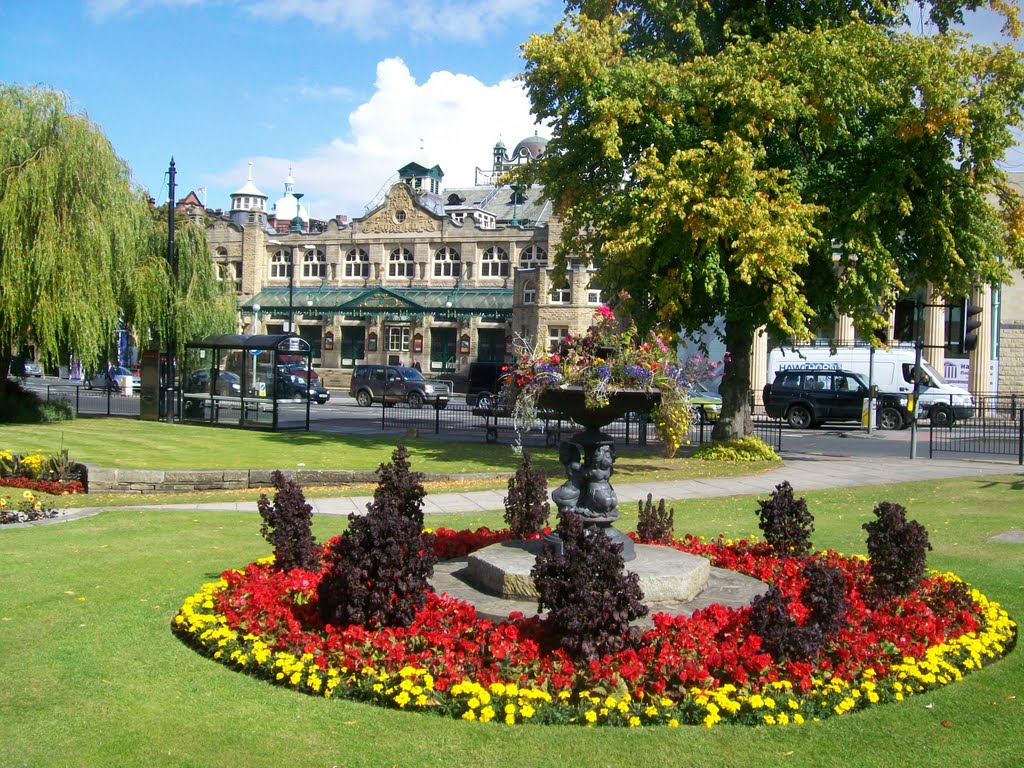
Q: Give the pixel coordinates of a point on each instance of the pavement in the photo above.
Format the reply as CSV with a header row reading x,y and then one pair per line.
x,y
805,472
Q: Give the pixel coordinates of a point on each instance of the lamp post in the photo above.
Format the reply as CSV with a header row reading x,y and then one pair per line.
x,y
291,290
255,321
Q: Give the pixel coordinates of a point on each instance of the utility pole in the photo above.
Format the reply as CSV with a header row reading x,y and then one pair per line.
x,y
169,366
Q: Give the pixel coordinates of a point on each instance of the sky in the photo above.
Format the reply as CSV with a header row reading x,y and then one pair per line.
x,y
340,93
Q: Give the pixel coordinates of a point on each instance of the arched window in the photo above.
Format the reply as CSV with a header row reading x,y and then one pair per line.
x,y
447,263
357,263
494,263
280,264
314,263
534,256
530,292
400,263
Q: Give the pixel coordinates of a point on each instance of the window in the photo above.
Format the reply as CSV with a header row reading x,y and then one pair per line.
x,y
534,256
530,293
357,263
556,335
495,263
237,269
399,216
561,295
593,295
447,263
280,265
400,263
398,338
314,264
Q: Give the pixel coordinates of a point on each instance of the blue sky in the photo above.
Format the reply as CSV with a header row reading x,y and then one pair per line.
x,y
342,92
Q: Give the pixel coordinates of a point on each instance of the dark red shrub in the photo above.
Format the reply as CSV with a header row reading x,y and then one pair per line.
x,y
527,506
897,549
785,522
591,599
654,525
399,488
287,525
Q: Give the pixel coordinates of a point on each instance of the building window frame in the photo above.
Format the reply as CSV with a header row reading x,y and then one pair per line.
x,y
533,256
447,263
401,264
495,262
314,263
280,265
357,263
398,337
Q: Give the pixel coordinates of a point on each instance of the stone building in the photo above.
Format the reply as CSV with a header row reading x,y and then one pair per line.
x,y
429,275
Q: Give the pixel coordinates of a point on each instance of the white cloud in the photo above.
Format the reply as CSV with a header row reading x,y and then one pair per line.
x,y
100,10
456,118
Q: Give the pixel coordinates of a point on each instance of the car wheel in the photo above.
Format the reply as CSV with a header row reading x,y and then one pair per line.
x,y
941,416
364,398
890,418
799,417
484,400
415,400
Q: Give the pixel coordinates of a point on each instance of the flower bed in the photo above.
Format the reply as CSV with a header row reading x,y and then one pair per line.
x,y
704,669
56,475
27,509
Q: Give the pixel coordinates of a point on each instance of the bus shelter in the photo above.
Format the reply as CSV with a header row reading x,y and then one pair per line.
x,y
253,382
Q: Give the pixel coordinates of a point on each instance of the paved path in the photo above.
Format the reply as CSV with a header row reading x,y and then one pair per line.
x,y
804,472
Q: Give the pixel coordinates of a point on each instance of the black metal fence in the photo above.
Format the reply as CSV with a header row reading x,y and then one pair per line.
x,y
94,402
996,428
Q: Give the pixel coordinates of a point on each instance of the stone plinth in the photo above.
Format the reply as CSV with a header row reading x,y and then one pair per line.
x,y
666,575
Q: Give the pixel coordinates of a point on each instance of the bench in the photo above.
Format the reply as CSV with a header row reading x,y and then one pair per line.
x,y
552,423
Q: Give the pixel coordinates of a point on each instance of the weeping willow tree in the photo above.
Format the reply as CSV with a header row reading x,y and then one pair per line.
x,y
80,246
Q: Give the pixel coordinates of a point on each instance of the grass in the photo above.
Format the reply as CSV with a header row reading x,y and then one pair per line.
x,y
129,443
93,675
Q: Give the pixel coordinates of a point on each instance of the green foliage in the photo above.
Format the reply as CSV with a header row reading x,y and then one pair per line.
x,y
22,406
730,148
654,525
79,245
590,598
750,448
527,506
287,525
785,521
399,488
897,549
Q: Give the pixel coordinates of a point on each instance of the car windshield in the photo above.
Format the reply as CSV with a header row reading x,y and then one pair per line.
x,y
410,373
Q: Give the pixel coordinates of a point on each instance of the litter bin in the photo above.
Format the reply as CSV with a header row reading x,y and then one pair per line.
x,y
125,383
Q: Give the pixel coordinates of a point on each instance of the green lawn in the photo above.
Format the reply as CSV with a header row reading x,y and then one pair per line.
x,y
92,675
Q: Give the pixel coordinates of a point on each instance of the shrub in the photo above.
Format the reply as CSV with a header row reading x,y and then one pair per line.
x,y
527,506
399,488
22,406
287,525
825,597
897,550
785,522
780,635
377,572
654,525
591,600
750,448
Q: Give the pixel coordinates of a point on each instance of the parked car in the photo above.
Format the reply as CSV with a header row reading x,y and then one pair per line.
x,y
392,384
808,398
23,367
290,384
703,400
228,383
111,378
484,383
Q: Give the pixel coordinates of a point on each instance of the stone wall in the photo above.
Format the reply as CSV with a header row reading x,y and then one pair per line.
x,y
106,480
1011,358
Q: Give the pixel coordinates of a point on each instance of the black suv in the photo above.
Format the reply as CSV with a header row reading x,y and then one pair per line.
x,y
392,384
810,398
484,384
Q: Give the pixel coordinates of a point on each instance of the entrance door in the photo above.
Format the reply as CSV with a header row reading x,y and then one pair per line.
x,y
314,334
353,345
490,345
442,349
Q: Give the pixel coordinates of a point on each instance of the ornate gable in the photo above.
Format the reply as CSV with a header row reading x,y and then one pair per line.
x,y
400,213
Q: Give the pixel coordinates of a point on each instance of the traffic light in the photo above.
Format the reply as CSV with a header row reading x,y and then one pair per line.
x,y
972,322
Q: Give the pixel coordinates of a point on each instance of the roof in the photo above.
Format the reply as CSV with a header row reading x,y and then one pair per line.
x,y
498,201
377,300
282,342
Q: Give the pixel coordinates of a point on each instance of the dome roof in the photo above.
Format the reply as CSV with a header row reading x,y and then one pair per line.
x,y
286,208
532,147
248,189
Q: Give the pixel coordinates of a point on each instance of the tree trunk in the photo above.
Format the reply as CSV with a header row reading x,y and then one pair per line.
x,y
735,421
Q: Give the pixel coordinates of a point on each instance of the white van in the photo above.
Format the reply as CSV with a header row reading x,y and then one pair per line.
x,y
892,370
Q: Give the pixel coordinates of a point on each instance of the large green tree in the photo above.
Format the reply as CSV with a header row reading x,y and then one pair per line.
x,y
774,163
81,247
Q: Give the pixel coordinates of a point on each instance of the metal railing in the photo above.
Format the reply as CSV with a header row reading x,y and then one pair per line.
x,y
94,402
995,430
